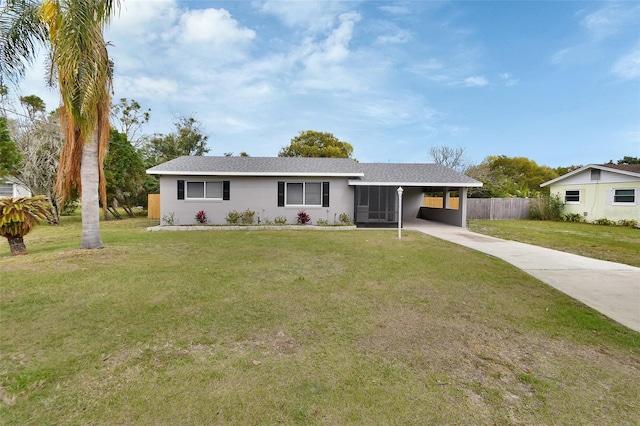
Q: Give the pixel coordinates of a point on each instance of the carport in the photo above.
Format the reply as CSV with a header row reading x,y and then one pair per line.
x,y
376,194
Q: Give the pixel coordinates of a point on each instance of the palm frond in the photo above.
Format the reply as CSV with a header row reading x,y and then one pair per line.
x,y
21,31
18,216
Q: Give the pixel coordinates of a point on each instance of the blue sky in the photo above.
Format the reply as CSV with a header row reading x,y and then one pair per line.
x,y
555,81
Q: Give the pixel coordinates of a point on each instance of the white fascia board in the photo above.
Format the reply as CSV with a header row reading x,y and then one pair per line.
x,y
254,174
409,184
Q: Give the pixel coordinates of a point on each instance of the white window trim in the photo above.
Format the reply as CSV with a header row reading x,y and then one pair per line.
x,y
573,202
304,195
186,190
625,203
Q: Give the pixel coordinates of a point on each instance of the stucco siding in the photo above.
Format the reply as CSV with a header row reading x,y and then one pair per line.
x,y
412,199
597,202
256,194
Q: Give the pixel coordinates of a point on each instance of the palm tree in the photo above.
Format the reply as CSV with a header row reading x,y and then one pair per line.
x,y
73,32
18,216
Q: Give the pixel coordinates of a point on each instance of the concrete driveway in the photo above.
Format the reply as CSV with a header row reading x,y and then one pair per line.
x,y
611,288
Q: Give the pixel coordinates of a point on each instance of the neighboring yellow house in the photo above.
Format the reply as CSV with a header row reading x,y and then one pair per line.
x,y
600,191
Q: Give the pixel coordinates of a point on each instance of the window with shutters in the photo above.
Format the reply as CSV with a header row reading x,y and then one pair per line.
x,y
205,190
572,197
304,194
624,196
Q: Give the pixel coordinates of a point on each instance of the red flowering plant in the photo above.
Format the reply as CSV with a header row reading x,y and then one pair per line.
x,y
303,218
201,216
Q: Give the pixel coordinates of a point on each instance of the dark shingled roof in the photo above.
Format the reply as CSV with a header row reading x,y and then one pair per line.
x,y
274,166
359,173
626,167
408,173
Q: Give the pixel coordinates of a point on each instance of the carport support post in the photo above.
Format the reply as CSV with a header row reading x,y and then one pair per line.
x,y
400,191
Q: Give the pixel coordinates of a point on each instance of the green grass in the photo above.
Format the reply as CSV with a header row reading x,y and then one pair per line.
x,y
290,327
614,243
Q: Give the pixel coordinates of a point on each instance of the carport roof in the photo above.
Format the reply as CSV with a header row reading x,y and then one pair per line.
x,y
383,174
412,174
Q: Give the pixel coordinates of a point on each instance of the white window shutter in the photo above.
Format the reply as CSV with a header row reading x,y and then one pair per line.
x,y
637,196
608,197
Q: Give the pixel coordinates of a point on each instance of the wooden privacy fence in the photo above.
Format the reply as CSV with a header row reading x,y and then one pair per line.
x,y
498,208
438,202
153,206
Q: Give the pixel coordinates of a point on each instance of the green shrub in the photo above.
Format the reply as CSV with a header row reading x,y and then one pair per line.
x,y
232,217
322,222
169,219
546,208
280,220
604,221
632,223
70,206
345,219
574,217
247,217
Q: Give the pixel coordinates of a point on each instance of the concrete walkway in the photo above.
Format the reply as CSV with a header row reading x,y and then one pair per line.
x,y
611,288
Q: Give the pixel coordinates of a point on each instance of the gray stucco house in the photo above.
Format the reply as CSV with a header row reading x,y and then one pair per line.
x,y
323,187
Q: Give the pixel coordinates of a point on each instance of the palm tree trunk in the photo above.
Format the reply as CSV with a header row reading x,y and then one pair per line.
x,y
89,177
16,244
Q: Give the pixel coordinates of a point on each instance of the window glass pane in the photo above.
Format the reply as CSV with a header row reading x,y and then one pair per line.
x,y
363,199
392,197
294,193
572,196
624,196
195,189
313,193
6,190
214,189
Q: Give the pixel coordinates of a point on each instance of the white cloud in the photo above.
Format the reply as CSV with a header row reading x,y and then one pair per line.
x,y
575,55
391,34
508,80
476,81
399,38
326,63
628,67
610,20
143,21
212,26
310,16
395,10
147,87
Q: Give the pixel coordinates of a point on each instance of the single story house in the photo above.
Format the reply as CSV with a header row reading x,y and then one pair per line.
x,y
600,191
324,188
12,187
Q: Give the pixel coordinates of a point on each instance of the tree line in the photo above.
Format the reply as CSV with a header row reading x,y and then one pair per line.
x,y
31,144
507,177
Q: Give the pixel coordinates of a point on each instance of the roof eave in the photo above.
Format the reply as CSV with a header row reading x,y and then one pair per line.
x,y
409,184
256,174
587,167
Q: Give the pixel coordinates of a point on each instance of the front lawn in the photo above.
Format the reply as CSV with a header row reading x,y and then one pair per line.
x,y
290,327
614,243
